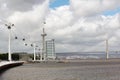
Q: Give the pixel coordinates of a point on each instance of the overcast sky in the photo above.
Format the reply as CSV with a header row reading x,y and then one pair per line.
x,y
76,25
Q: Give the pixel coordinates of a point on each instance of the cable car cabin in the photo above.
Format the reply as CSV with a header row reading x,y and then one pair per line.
x,y
23,39
36,46
25,44
31,45
16,37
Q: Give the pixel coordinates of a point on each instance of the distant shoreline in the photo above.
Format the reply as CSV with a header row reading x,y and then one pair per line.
x,y
75,63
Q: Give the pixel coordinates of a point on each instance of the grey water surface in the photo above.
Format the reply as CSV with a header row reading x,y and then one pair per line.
x,y
63,71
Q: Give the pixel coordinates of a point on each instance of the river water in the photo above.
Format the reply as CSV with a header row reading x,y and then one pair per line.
x,y
62,71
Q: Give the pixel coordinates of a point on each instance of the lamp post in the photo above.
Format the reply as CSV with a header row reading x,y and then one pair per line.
x,y
34,46
107,51
34,50
40,54
9,26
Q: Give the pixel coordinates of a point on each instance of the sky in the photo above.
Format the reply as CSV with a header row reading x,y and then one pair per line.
x,y
76,25
58,3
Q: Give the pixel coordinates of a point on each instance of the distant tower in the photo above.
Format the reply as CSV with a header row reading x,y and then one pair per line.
x,y
50,49
43,44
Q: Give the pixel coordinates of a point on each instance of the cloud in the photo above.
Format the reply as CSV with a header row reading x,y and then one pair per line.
x,y
80,26
84,33
21,5
92,7
31,20
8,7
27,24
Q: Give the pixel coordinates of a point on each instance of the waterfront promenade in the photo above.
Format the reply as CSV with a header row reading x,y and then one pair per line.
x,y
8,64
